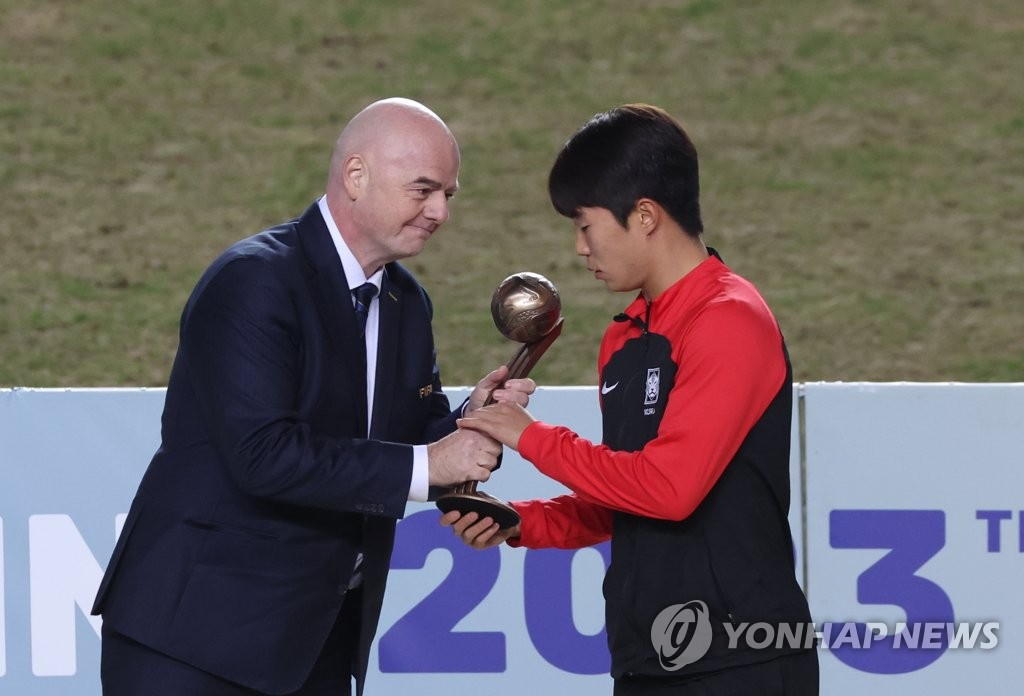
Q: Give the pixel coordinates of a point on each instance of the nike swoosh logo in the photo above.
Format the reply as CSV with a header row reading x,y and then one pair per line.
x,y
605,388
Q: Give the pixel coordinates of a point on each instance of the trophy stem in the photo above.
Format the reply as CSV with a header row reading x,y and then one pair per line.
x,y
530,353
518,367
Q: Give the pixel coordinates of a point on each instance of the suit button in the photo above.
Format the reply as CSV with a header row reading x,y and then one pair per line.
x,y
342,590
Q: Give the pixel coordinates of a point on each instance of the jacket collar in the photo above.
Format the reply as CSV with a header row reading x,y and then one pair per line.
x,y
330,286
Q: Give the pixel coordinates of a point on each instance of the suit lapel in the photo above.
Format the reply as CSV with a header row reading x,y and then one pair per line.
x,y
388,328
330,290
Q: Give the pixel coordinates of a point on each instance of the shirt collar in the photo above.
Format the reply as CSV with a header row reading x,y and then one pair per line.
x,y
353,271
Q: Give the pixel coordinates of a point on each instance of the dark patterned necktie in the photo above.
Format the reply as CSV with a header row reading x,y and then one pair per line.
x,y
363,295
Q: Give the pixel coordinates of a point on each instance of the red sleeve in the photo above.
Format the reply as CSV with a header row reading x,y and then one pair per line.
x,y
566,522
731,366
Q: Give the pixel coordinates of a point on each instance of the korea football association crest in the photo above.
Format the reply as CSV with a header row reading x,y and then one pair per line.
x,y
653,386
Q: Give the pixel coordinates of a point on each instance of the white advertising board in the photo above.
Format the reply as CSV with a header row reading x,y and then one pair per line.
x,y
913,515
914,524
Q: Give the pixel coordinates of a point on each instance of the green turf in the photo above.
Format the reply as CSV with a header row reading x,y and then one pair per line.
x,y
861,161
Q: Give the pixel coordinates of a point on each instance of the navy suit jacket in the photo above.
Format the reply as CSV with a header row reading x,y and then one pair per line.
x,y
239,545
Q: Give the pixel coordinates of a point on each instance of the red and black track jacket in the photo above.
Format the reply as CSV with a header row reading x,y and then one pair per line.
x,y
691,481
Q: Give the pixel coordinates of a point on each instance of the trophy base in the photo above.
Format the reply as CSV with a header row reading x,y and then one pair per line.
x,y
482,504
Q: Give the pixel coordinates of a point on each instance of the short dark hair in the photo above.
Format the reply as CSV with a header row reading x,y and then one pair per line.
x,y
622,155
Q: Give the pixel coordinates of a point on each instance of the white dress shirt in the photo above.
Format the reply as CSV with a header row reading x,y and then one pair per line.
x,y
418,488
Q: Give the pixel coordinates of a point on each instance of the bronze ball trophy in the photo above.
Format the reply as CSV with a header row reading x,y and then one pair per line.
x,y
527,309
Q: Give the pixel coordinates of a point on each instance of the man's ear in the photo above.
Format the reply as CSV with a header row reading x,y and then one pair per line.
x,y
354,176
648,214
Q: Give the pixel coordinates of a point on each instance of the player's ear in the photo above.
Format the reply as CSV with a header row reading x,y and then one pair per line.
x,y
648,214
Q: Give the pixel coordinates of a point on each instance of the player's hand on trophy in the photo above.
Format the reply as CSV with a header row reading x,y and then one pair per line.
x,y
504,422
461,456
476,532
499,387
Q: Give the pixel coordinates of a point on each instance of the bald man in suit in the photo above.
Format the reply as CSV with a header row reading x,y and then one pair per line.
x,y
255,553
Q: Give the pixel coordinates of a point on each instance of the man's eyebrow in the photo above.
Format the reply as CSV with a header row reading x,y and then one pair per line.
x,y
427,181
433,184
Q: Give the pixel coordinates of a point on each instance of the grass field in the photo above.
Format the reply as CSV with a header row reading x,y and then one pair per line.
x,y
862,162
